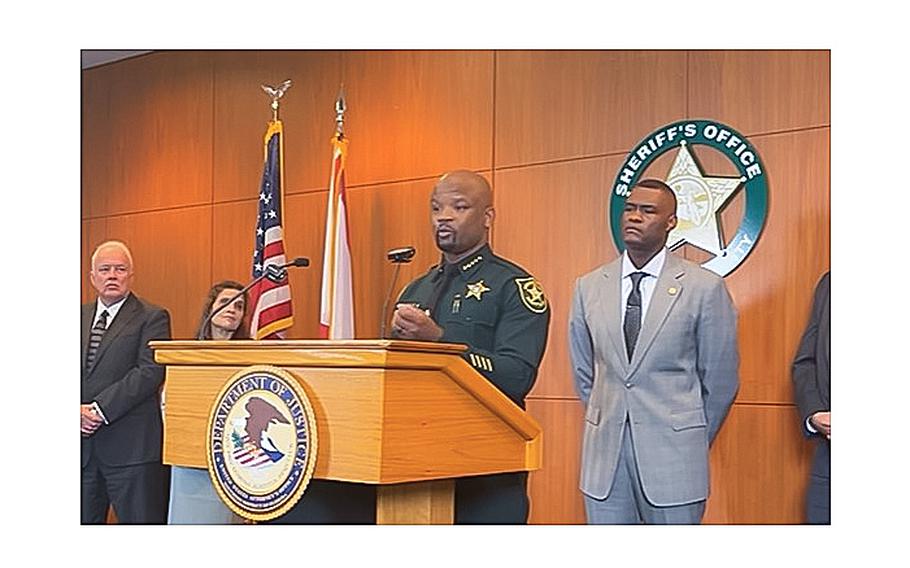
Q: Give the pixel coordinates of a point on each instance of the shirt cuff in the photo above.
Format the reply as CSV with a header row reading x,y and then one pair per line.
x,y
97,410
809,426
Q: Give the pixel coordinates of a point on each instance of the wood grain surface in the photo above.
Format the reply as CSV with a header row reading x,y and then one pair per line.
x,y
171,161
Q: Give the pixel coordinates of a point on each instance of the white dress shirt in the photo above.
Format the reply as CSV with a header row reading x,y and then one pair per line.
x,y
647,283
111,314
111,310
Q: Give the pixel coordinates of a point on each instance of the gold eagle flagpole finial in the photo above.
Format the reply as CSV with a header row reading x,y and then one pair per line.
x,y
276,93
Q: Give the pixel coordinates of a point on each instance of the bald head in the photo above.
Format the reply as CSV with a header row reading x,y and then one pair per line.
x,y
461,212
469,183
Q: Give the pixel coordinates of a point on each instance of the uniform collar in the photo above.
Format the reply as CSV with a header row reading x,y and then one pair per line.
x,y
472,263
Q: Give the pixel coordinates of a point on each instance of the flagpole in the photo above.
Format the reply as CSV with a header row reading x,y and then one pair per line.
x,y
340,107
331,214
272,312
336,315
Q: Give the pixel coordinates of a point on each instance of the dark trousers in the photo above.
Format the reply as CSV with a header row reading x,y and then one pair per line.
x,y
332,503
138,493
818,496
500,499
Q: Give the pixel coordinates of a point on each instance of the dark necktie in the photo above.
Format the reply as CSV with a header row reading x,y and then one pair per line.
x,y
441,281
94,339
632,324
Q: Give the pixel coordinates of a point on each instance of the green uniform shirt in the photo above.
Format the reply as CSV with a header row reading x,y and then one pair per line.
x,y
498,310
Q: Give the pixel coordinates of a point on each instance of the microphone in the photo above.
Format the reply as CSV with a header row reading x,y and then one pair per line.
x,y
277,272
299,261
273,272
401,255
397,256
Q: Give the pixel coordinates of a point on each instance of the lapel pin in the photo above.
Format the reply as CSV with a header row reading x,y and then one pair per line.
x,y
672,291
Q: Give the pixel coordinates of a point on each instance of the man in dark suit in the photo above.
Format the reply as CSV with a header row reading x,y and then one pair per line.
x,y
812,385
120,415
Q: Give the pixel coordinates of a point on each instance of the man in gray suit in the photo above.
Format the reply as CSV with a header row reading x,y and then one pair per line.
x,y
654,358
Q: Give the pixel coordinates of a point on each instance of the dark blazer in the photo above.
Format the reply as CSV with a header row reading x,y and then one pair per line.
x,y
812,369
125,381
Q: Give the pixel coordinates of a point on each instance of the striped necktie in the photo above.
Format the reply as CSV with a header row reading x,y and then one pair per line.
x,y
94,339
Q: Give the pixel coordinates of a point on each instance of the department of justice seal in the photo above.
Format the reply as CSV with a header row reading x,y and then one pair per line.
x,y
700,197
261,442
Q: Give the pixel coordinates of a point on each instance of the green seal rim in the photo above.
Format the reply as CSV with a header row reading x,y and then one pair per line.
x,y
756,189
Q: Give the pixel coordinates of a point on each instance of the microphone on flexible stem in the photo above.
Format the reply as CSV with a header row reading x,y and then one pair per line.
x,y
397,257
274,272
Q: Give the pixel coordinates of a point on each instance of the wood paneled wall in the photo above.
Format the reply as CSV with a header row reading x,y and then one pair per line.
x,y
172,149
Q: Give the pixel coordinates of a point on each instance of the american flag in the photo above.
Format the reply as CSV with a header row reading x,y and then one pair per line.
x,y
249,455
336,314
272,311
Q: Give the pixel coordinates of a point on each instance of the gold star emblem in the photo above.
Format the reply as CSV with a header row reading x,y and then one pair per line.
x,y
532,295
700,198
476,290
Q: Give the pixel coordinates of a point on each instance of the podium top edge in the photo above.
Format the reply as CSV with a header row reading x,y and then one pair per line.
x,y
312,344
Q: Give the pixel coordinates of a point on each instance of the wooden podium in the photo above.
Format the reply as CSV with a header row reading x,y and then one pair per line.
x,y
407,416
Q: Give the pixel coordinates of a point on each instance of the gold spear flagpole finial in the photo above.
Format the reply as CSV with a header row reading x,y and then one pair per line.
x,y
340,107
276,93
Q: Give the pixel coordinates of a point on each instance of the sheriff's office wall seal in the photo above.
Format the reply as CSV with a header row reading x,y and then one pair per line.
x,y
700,196
261,442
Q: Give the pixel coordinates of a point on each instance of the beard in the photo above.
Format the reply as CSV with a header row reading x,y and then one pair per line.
x,y
447,243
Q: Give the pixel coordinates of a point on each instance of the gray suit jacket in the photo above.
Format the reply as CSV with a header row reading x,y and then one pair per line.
x,y
674,393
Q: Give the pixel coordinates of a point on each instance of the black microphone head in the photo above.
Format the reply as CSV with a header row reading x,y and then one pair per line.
x,y
300,261
401,255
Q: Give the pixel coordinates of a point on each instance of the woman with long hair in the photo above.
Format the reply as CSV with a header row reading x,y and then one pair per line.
x,y
193,497
230,322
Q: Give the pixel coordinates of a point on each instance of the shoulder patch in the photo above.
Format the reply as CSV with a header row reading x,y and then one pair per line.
x,y
531,293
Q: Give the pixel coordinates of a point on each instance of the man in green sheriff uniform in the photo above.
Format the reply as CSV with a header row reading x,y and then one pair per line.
x,y
495,307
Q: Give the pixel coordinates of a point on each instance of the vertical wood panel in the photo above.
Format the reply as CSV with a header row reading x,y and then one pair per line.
x,y
233,230
553,489
759,467
382,218
94,232
146,136
553,105
242,111
170,252
416,114
553,221
773,288
304,236
761,91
